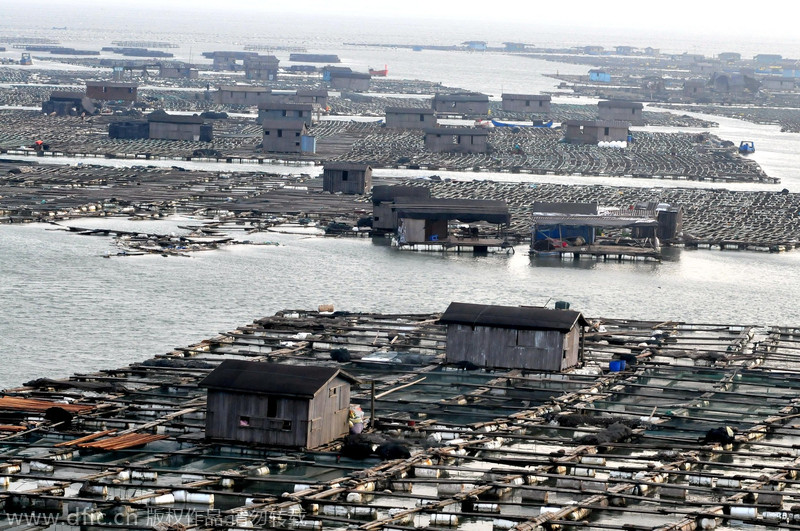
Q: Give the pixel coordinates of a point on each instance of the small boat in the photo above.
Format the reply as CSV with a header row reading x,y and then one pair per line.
x,y
746,147
379,73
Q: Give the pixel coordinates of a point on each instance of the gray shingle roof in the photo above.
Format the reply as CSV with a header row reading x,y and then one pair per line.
x,y
511,317
271,378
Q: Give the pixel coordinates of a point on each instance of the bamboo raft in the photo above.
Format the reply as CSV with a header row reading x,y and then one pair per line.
x,y
713,219
489,450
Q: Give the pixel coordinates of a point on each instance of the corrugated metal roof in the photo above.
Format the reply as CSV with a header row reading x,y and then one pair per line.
x,y
511,317
592,221
532,97
409,110
271,378
462,97
620,104
162,117
273,106
384,192
466,210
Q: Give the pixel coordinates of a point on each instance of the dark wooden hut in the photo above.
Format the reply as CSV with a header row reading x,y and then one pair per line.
x,y
347,178
276,404
510,337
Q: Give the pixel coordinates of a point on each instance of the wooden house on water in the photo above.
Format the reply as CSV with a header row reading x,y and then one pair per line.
x,y
510,337
276,404
346,178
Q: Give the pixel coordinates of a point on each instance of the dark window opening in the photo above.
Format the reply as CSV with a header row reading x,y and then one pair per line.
x,y
287,425
297,134
244,422
272,408
332,391
284,113
345,175
541,103
421,117
633,111
527,103
266,133
280,133
606,131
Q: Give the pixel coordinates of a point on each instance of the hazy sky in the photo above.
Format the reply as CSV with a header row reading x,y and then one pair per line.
x,y
734,16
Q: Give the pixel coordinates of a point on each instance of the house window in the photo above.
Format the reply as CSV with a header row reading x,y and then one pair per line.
x,y
421,117
296,144
272,407
332,391
284,113
541,103
345,175
297,134
527,103
606,131
633,111
280,133
286,425
456,139
266,133
244,422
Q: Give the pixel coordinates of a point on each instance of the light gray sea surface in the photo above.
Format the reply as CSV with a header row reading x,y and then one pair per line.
x,y
65,309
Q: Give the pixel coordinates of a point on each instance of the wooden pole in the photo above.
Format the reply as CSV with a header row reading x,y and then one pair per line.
x,y
372,404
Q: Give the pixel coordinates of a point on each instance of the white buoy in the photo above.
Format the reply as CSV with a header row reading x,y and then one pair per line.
x,y
743,512
38,466
144,475
365,512
164,499
444,519
426,472
335,510
702,481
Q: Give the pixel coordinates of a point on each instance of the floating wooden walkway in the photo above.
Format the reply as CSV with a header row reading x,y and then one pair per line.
x,y
601,253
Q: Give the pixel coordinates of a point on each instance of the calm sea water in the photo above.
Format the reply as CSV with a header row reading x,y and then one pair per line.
x,y
65,309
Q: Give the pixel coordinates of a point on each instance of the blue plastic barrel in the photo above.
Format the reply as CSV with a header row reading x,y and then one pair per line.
x,y
616,365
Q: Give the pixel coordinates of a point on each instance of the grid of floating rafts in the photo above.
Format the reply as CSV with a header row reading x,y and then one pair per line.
x,y
637,438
